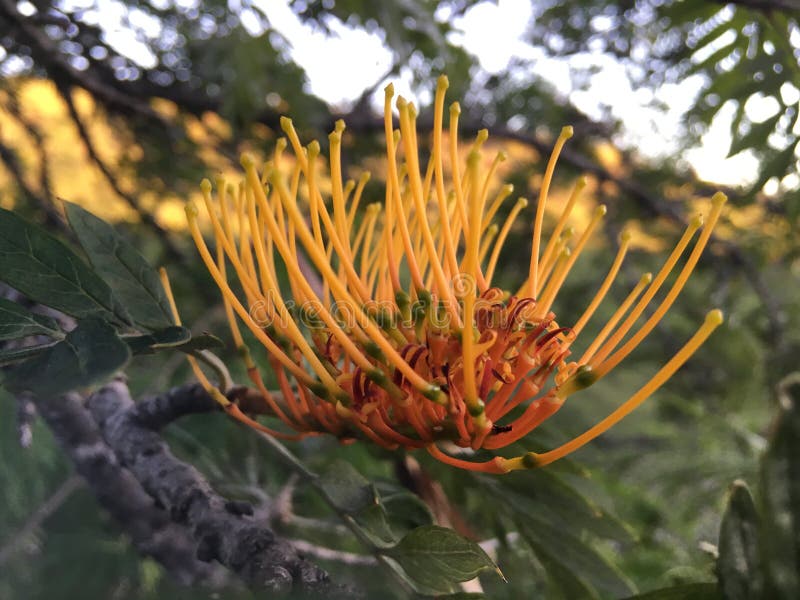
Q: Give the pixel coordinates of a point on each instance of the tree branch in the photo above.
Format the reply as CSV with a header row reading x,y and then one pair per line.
x,y
11,161
158,411
118,491
59,68
223,530
38,139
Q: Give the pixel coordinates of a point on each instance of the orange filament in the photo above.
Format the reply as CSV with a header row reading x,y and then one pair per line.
x,y
388,328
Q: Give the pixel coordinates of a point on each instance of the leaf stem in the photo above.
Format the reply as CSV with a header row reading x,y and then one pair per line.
x,y
216,365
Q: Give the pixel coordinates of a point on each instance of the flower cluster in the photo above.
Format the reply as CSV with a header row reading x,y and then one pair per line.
x,y
389,327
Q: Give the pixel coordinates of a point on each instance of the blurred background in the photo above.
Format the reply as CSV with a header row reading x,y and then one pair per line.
x,y
123,107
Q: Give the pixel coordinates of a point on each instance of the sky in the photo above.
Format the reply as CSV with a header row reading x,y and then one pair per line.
x,y
340,68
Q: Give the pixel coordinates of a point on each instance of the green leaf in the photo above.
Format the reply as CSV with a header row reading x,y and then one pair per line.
x,y
441,587
543,494
557,544
346,488
17,322
565,583
688,591
436,558
89,354
756,137
12,355
373,523
780,495
120,264
48,272
716,56
204,341
776,165
684,12
406,511
738,566
169,337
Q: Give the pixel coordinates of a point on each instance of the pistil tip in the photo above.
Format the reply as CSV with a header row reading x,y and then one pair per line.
x,y
715,317
696,221
247,160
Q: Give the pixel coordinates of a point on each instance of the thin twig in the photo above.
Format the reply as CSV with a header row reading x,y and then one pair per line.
x,y
38,517
26,413
11,161
38,139
320,552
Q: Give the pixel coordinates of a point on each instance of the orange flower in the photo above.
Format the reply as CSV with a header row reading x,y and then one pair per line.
x,y
394,331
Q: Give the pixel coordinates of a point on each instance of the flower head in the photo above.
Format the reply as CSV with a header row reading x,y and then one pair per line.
x,y
389,327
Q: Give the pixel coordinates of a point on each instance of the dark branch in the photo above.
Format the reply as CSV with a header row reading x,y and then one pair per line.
x,y
146,218
223,530
118,491
52,59
156,412
38,140
11,161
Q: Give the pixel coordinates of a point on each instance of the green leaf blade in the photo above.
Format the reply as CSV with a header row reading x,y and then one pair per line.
x,y
406,511
168,337
12,355
120,264
687,591
437,558
89,354
738,566
48,272
346,488
558,545
780,495
17,322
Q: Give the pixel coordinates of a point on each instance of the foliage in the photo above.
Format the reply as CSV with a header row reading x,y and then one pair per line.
x,y
105,334
671,41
